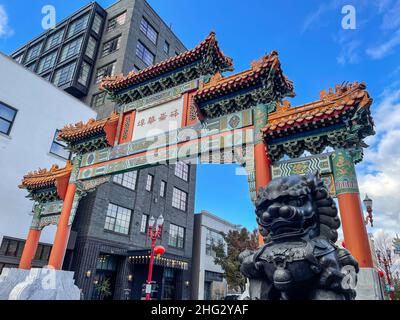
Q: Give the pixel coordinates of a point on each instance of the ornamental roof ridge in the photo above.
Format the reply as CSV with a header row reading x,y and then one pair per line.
x,y
258,67
268,60
332,102
42,177
80,130
118,82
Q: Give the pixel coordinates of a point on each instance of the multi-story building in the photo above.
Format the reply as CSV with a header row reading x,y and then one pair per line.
x,y
111,224
11,252
29,120
208,281
66,55
112,241
94,42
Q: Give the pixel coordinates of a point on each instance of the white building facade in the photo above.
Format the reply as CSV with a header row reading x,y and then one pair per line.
x,y
207,277
31,110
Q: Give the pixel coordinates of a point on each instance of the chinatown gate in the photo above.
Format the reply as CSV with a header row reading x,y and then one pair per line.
x,y
184,108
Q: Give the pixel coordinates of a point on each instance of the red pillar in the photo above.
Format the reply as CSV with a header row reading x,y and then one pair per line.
x,y
354,230
30,247
351,214
261,161
263,171
63,230
262,165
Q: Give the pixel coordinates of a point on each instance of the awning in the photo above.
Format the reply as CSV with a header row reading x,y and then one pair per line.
x,y
166,260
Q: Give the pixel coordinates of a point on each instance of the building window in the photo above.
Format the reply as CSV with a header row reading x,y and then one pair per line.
x,y
54,39
33,52
45,253
59,148
7,117
31,67
118,219
182,170
106,262
3,247
176,236
179,199
143,223
96,27
42,252
149,182
9,247
136,68
163,188
166,47
47,62
116,22
98,99
91,48
84,73
71,49
148,30
78,25
111,46
107,70
212,239
19,58
144,54
64,75
127,179
38,252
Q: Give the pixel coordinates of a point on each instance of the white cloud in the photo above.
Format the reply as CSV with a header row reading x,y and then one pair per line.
x,y
316,16
5,29
384,48
351,47
348,50
390,23
381,177
391,18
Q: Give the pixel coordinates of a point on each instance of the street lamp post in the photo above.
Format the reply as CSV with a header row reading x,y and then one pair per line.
x,y
368,205
385,259
154,232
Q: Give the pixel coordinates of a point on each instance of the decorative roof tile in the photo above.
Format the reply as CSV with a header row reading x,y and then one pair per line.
x,y
219,85
331,105
81,131
118,82
44,178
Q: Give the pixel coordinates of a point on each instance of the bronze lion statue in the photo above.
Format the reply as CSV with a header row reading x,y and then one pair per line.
x,y
299,260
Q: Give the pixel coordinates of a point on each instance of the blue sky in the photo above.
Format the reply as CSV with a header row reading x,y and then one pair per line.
x,y
315,52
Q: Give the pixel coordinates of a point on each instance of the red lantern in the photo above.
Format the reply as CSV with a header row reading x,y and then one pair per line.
x,y
343,244
381,274
159,250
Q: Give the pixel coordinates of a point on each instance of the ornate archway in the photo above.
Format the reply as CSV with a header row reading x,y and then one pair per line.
x,y
239,118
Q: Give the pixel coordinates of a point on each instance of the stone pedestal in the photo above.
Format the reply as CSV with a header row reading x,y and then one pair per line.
x,y
9,278
39,284
368,285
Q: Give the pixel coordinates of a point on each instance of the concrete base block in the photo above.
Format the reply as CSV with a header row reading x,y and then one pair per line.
x,y
9,278
368,285
41,284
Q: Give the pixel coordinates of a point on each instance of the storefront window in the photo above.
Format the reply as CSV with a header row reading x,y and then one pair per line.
x,y
169,292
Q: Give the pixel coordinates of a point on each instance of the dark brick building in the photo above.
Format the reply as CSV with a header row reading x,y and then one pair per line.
x,y
108,239
11,251
94,42
106,248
